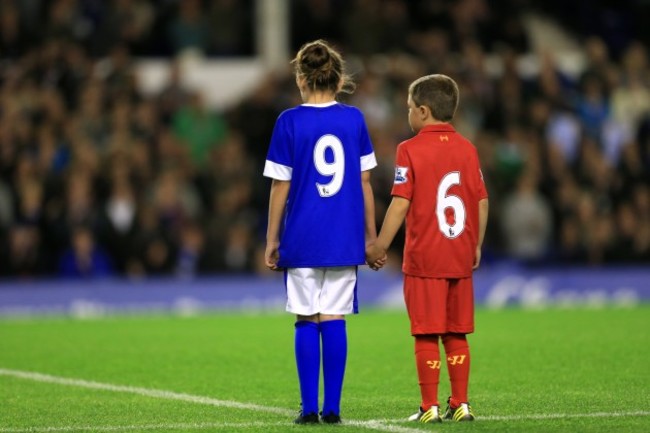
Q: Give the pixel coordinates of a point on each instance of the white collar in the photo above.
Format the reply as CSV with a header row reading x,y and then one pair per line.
x,y
324,104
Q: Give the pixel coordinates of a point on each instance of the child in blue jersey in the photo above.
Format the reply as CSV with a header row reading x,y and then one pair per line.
x,y
321,216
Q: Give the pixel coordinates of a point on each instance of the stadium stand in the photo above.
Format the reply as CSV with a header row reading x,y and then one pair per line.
x,y
97,178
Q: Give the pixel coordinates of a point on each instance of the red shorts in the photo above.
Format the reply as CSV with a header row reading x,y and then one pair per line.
x,y
439,305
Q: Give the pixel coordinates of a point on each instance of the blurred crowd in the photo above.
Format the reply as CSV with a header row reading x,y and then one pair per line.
x,y
98,179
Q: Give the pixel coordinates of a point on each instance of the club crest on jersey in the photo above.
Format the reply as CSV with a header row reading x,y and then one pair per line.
x,y
400,175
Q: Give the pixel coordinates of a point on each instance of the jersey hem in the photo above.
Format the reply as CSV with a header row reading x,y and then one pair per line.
x,y
440,276
320,265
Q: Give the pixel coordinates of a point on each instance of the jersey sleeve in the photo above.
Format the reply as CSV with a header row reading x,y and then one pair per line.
x,y
279,161
403,182
368,159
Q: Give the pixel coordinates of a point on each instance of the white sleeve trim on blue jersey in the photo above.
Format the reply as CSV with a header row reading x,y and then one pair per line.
x,y
368,162
277,171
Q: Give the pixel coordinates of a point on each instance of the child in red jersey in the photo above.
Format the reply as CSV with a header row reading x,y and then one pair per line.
x,y
439,190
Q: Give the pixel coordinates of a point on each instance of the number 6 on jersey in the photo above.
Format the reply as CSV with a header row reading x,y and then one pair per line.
x,y
454,202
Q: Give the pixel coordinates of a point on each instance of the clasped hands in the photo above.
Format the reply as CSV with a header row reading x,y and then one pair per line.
x,y
376,257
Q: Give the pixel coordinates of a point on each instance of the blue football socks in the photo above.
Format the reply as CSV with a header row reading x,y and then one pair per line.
x,y
307,348
335,351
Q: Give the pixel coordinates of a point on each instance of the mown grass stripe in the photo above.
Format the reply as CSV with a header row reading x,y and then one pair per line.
x,y
148,392
170,395
379,424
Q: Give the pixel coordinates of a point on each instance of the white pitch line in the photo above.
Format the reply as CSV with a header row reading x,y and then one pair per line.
x,y
543,416
191,426
382,425
148,392
564,415
118,428
170,395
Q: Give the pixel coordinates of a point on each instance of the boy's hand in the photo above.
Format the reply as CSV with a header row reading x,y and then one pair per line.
x,y
375,257
477,258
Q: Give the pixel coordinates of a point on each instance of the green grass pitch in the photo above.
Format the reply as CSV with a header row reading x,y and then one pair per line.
x,y
557,370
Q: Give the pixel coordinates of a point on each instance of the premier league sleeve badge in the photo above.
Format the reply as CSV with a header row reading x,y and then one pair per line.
x,y
400,175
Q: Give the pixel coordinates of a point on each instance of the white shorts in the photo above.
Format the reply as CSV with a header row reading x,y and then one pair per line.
x,y
321,290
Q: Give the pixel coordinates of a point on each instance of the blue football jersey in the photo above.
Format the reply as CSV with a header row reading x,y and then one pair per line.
x,y
322,150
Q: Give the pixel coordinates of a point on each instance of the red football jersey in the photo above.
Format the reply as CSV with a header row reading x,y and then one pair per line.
x,y
439,172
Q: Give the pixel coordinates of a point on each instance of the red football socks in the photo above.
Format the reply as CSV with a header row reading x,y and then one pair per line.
x,y
457,351
427,360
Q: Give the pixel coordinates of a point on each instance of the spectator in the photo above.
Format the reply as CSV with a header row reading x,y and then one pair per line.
x,y
593,108
152,253
117,225
598,65
262,106
601,242
125,22
30,206
571,249
526,222
239,249
314,19
191,259
84,259
189,30
13,39
563,133
6,206
199,129
63,19
174,96
175,200
158,257
231,23
631,99
631,244
363,27
75,207
641,201
23,256
371,98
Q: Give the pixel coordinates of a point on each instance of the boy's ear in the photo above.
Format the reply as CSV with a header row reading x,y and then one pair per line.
x,y
424,111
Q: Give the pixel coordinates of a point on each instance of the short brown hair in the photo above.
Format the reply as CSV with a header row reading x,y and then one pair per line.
x,y
438,92
323,68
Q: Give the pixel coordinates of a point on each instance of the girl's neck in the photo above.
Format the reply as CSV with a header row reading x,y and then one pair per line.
x,y
319,97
